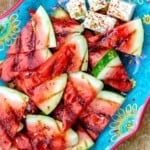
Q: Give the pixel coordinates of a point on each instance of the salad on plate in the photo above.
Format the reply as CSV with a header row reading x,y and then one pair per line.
x,y
64,75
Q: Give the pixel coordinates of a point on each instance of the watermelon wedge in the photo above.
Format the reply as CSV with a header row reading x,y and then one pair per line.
x,y
98,114
48,133
47,95
80,91
14,64
30,37
64,26
13,105
127,38
108,67
16,100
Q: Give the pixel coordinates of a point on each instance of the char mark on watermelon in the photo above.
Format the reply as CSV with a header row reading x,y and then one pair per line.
x,y
58,112
64,26
127,38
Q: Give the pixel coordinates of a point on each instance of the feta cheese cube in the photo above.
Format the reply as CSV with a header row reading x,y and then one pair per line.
x,y
121,9
77,9
96,5
98,22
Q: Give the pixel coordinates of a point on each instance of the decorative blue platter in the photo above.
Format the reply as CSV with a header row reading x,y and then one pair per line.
x,y
128,119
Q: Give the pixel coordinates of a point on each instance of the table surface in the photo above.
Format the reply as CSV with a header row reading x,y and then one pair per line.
x,y
141,140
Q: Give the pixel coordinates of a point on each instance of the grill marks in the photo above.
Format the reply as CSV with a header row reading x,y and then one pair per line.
x,y
23,55
9,124
16,59
31,46
94,122
8,118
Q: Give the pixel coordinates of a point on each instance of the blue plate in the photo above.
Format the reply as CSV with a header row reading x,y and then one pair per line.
x,y
128,119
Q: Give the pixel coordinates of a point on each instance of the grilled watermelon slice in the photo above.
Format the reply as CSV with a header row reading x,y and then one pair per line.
x,y
48,94
13,104
81,89
127,38
64,26
43,129
14,64
97,115
108,67
8,119
30,38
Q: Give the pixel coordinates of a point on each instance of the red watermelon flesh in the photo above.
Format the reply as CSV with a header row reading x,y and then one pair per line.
x,y
118,78
26,41
77,96
8,119
97,115
30,37
124,85
21,141
6,72
92,40
5,141
58,112
127,38
63,27
46,138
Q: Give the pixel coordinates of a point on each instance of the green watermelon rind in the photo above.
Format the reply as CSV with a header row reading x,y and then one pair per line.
x,y
47,26
102,64
111,96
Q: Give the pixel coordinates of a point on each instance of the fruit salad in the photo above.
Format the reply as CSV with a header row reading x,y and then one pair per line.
x,y
64,75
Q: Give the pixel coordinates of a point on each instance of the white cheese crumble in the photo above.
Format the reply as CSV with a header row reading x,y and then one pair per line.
x,y
98,22
121,9
96,5
77,9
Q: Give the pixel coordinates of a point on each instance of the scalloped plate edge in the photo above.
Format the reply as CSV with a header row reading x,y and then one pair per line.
x,y
136,128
